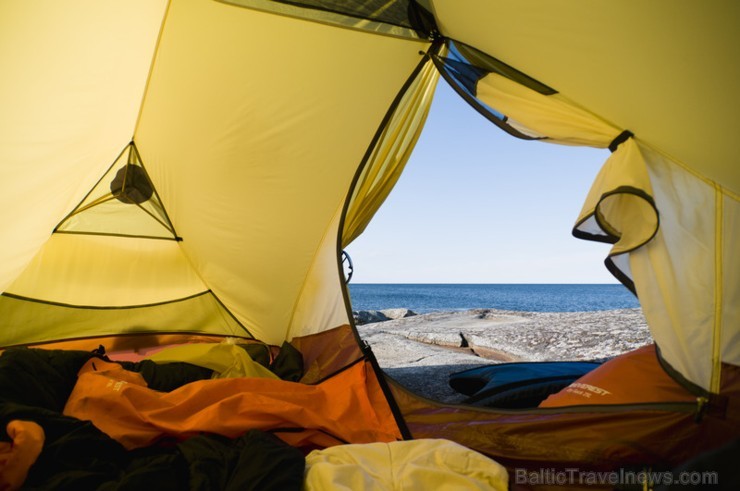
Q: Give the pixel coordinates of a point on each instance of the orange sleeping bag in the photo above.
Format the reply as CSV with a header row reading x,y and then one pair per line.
x,y
344,407
635,377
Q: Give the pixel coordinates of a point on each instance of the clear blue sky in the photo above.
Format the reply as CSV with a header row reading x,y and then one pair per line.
x,y
476,205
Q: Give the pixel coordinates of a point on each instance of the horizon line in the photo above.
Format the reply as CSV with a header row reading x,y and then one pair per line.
x,y
473,283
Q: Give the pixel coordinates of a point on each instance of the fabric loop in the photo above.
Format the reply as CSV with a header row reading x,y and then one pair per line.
x,y
621,138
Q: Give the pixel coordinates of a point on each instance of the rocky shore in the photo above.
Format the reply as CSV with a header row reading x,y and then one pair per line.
x,y
421,351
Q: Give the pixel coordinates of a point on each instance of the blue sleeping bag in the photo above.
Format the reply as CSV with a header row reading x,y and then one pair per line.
x,y
517,385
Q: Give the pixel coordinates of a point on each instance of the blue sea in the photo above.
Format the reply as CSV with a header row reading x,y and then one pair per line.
x,y
424,298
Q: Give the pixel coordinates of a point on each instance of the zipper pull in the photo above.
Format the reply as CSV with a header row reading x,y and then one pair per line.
x,y
701,408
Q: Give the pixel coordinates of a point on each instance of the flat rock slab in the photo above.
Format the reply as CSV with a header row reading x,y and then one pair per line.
x,y
421,351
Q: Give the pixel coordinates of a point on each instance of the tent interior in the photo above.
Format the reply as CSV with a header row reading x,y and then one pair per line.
x,y
185,174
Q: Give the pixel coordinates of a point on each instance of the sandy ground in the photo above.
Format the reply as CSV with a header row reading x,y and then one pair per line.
x,y
423,350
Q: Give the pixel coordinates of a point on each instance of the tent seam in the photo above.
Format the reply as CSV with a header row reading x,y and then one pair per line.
x,y
315,254
124,236
714,384
151,68
105,307
171,226
706,180
208,286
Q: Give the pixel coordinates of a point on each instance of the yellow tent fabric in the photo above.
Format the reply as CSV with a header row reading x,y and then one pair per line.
x,y
268,155
236,151
665,70
254,128
68,103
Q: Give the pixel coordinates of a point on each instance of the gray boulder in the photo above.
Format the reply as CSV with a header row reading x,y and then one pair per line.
x,y
371,316
397,313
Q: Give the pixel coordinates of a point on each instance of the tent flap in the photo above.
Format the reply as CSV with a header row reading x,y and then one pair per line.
x,y
667,224
391,151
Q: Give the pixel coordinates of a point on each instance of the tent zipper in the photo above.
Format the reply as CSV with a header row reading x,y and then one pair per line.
x,y
701,408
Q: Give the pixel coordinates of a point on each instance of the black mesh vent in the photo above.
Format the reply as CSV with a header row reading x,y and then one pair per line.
x,y
412,19
463,67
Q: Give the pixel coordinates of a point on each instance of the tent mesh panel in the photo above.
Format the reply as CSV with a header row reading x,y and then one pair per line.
x,y
405,18
463,67
124,202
